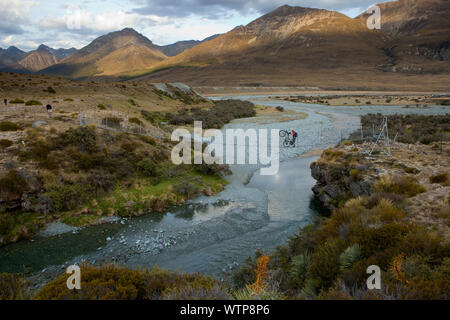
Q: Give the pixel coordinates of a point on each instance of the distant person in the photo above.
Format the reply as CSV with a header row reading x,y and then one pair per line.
x,y
5,101
294,136
49,111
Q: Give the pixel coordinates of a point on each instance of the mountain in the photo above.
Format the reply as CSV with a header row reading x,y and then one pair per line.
x,y
419,28
112,54
60,53
9,59
11,54
176,48
281,46
38,59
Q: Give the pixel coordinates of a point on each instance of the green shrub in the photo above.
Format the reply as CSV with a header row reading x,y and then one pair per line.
x,y
222,113
49,90
13,183
212,169
101,106
13,287
148,140
298,269
83,138
9,126
33,103
147,168
5,143
355,174
67,196
325,263
399,185
350,256
412,128
186,188
412,170
439,178
115,283
17,101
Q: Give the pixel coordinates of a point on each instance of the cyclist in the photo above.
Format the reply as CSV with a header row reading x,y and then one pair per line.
x,y
294,137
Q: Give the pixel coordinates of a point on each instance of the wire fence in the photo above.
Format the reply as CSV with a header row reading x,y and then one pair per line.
x,y
118,122
105,119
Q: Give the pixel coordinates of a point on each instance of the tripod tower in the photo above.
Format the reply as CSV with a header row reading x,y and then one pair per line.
x,y
381,138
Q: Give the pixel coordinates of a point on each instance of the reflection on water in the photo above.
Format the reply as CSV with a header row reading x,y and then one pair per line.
x,y
203,235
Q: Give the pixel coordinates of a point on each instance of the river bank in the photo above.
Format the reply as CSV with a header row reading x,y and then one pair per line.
x,y
250,214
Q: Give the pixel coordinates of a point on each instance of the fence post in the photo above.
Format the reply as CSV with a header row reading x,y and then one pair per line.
x,y
362,134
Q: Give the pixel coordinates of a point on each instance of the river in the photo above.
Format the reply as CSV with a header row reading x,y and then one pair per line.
x,y
212,235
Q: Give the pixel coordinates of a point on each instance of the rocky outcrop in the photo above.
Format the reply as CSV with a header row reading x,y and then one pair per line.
x,y
337,183
29,197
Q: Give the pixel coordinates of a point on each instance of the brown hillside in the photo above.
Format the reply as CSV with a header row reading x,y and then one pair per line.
x,y
38,60
287,42
110,54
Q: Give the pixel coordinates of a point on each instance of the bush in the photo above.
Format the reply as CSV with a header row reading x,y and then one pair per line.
x,y
325,264
115,283
439,178
13,183
67,196
222,113
355,174
83,138
187,189
49,90
5,143
101,106
9,126
399,185
13,287
147,168
148,140
17,101
33,103
413,128
212,169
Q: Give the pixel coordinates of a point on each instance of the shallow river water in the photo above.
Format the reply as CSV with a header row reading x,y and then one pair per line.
x,y
212,235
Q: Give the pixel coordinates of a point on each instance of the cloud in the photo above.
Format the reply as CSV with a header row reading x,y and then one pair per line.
x,y
14,15
221,8
80,21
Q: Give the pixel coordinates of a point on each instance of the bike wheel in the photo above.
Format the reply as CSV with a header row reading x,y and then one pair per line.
x,y
287,143
282,133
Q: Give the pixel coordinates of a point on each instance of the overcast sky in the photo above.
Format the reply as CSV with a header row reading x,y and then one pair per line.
x,y
56,23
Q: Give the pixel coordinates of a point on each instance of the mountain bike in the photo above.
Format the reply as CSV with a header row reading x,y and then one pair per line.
x,y
284,133
288,142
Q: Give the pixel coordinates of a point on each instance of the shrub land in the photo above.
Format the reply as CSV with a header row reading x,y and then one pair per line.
x,y
220,114
412,128
84,173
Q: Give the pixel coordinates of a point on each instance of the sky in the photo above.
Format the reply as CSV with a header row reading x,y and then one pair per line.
x,y
64,24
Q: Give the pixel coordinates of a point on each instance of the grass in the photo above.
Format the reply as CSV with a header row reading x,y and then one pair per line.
x,y
9,126
33,103
143,196
79,220
399,185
